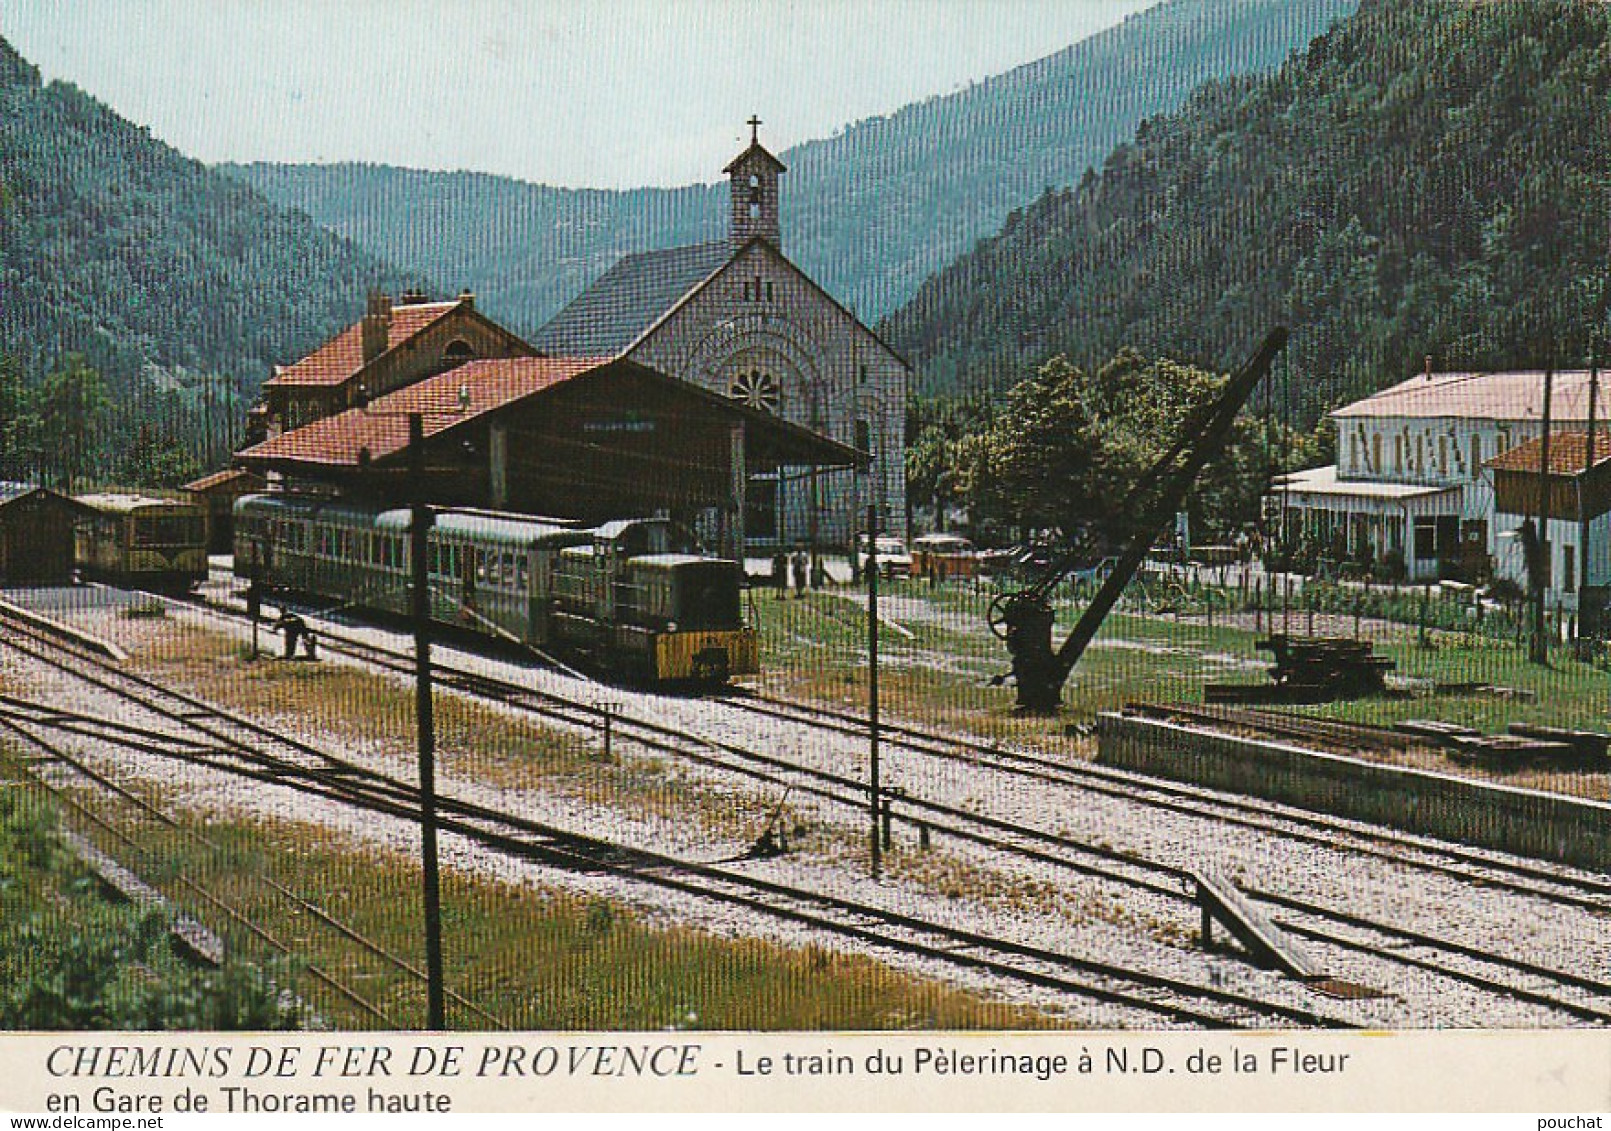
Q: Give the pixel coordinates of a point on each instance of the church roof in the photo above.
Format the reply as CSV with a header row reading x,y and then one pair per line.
x,y
629,298
759,152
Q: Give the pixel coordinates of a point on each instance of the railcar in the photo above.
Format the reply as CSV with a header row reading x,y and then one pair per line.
x,y
634,596
141,542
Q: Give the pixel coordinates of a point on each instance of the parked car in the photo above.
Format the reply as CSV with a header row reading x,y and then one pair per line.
x,y
893,560
941,557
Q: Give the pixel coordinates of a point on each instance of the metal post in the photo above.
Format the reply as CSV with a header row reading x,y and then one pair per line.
x,y
436,1010
254,592
872,681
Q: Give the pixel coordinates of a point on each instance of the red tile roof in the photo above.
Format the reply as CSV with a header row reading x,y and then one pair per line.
x,y
219,479
1567,453
444,401
343,355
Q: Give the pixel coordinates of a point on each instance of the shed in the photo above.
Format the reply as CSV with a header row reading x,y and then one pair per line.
x,y
36,535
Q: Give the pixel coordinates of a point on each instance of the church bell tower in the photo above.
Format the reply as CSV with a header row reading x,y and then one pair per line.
x,y
753,176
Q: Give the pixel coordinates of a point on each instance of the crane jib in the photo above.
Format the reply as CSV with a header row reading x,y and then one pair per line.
x,y
1027,616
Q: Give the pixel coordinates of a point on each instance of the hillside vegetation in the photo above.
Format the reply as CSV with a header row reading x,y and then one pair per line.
x,y
178,286
1428,178
869,213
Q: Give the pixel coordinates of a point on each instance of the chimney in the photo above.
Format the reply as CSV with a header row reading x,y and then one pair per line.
x,y
377,325
1429,367
467,298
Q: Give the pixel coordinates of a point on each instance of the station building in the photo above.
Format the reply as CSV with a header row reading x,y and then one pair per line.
x,y
586,438
1417,465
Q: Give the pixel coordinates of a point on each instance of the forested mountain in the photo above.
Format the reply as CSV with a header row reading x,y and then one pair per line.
x,y
1427,178
179,287
869,213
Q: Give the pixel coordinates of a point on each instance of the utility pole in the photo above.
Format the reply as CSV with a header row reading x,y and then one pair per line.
x,y
1588,468
420,523
1538,569
872,681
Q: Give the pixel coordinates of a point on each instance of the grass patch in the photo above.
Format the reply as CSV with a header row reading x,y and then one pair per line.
x,y
71,958
369,718
540,959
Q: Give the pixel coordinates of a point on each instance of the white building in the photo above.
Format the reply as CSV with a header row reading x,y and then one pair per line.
x,y
1411,479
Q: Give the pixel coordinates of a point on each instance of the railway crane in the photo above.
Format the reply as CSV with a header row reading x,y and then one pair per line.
x,y
1024,618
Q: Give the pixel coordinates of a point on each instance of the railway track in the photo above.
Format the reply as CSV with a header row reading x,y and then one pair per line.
x,y
1583,999
199,734
1495,870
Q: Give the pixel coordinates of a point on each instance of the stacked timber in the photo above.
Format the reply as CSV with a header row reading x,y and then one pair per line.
x,y
1524,746
1328,666
1589,748
1311,669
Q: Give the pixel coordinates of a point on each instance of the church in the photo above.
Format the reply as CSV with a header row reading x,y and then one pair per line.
x,y
737,318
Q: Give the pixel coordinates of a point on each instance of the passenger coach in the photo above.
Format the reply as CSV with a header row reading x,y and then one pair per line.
x,y
634,596
141,542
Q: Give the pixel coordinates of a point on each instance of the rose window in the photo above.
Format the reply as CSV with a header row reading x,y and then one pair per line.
x,y
757,389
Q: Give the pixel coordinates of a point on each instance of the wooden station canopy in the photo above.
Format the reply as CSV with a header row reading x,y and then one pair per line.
x,y
588,438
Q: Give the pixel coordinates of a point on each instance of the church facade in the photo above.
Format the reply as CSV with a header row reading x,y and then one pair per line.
x,y
736,317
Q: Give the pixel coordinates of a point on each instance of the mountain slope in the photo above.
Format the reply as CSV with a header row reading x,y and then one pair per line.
x,y
869,213
1428,178
157,268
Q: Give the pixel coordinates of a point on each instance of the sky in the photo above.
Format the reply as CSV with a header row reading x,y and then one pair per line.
x,y
580,93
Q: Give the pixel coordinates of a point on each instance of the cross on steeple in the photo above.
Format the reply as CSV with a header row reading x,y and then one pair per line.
x,y
755,125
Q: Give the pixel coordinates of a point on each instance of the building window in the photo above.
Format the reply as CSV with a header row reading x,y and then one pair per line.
x,y
757,389
1476,454
1568,569
1426,539
864,436
769,291
1376,452
457,353
1443,455
1398,454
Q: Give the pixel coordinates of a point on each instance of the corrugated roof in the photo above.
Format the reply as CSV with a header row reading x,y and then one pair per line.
x,y
343,356
1517,395
1325,481
1567,453
629,298
444,401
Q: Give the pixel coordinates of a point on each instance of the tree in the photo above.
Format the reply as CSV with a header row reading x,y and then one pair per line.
x,y
157,460
73,404
18,421
1067,447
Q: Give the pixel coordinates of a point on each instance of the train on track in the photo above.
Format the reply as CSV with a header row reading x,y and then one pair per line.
x,y
141,542
635,597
